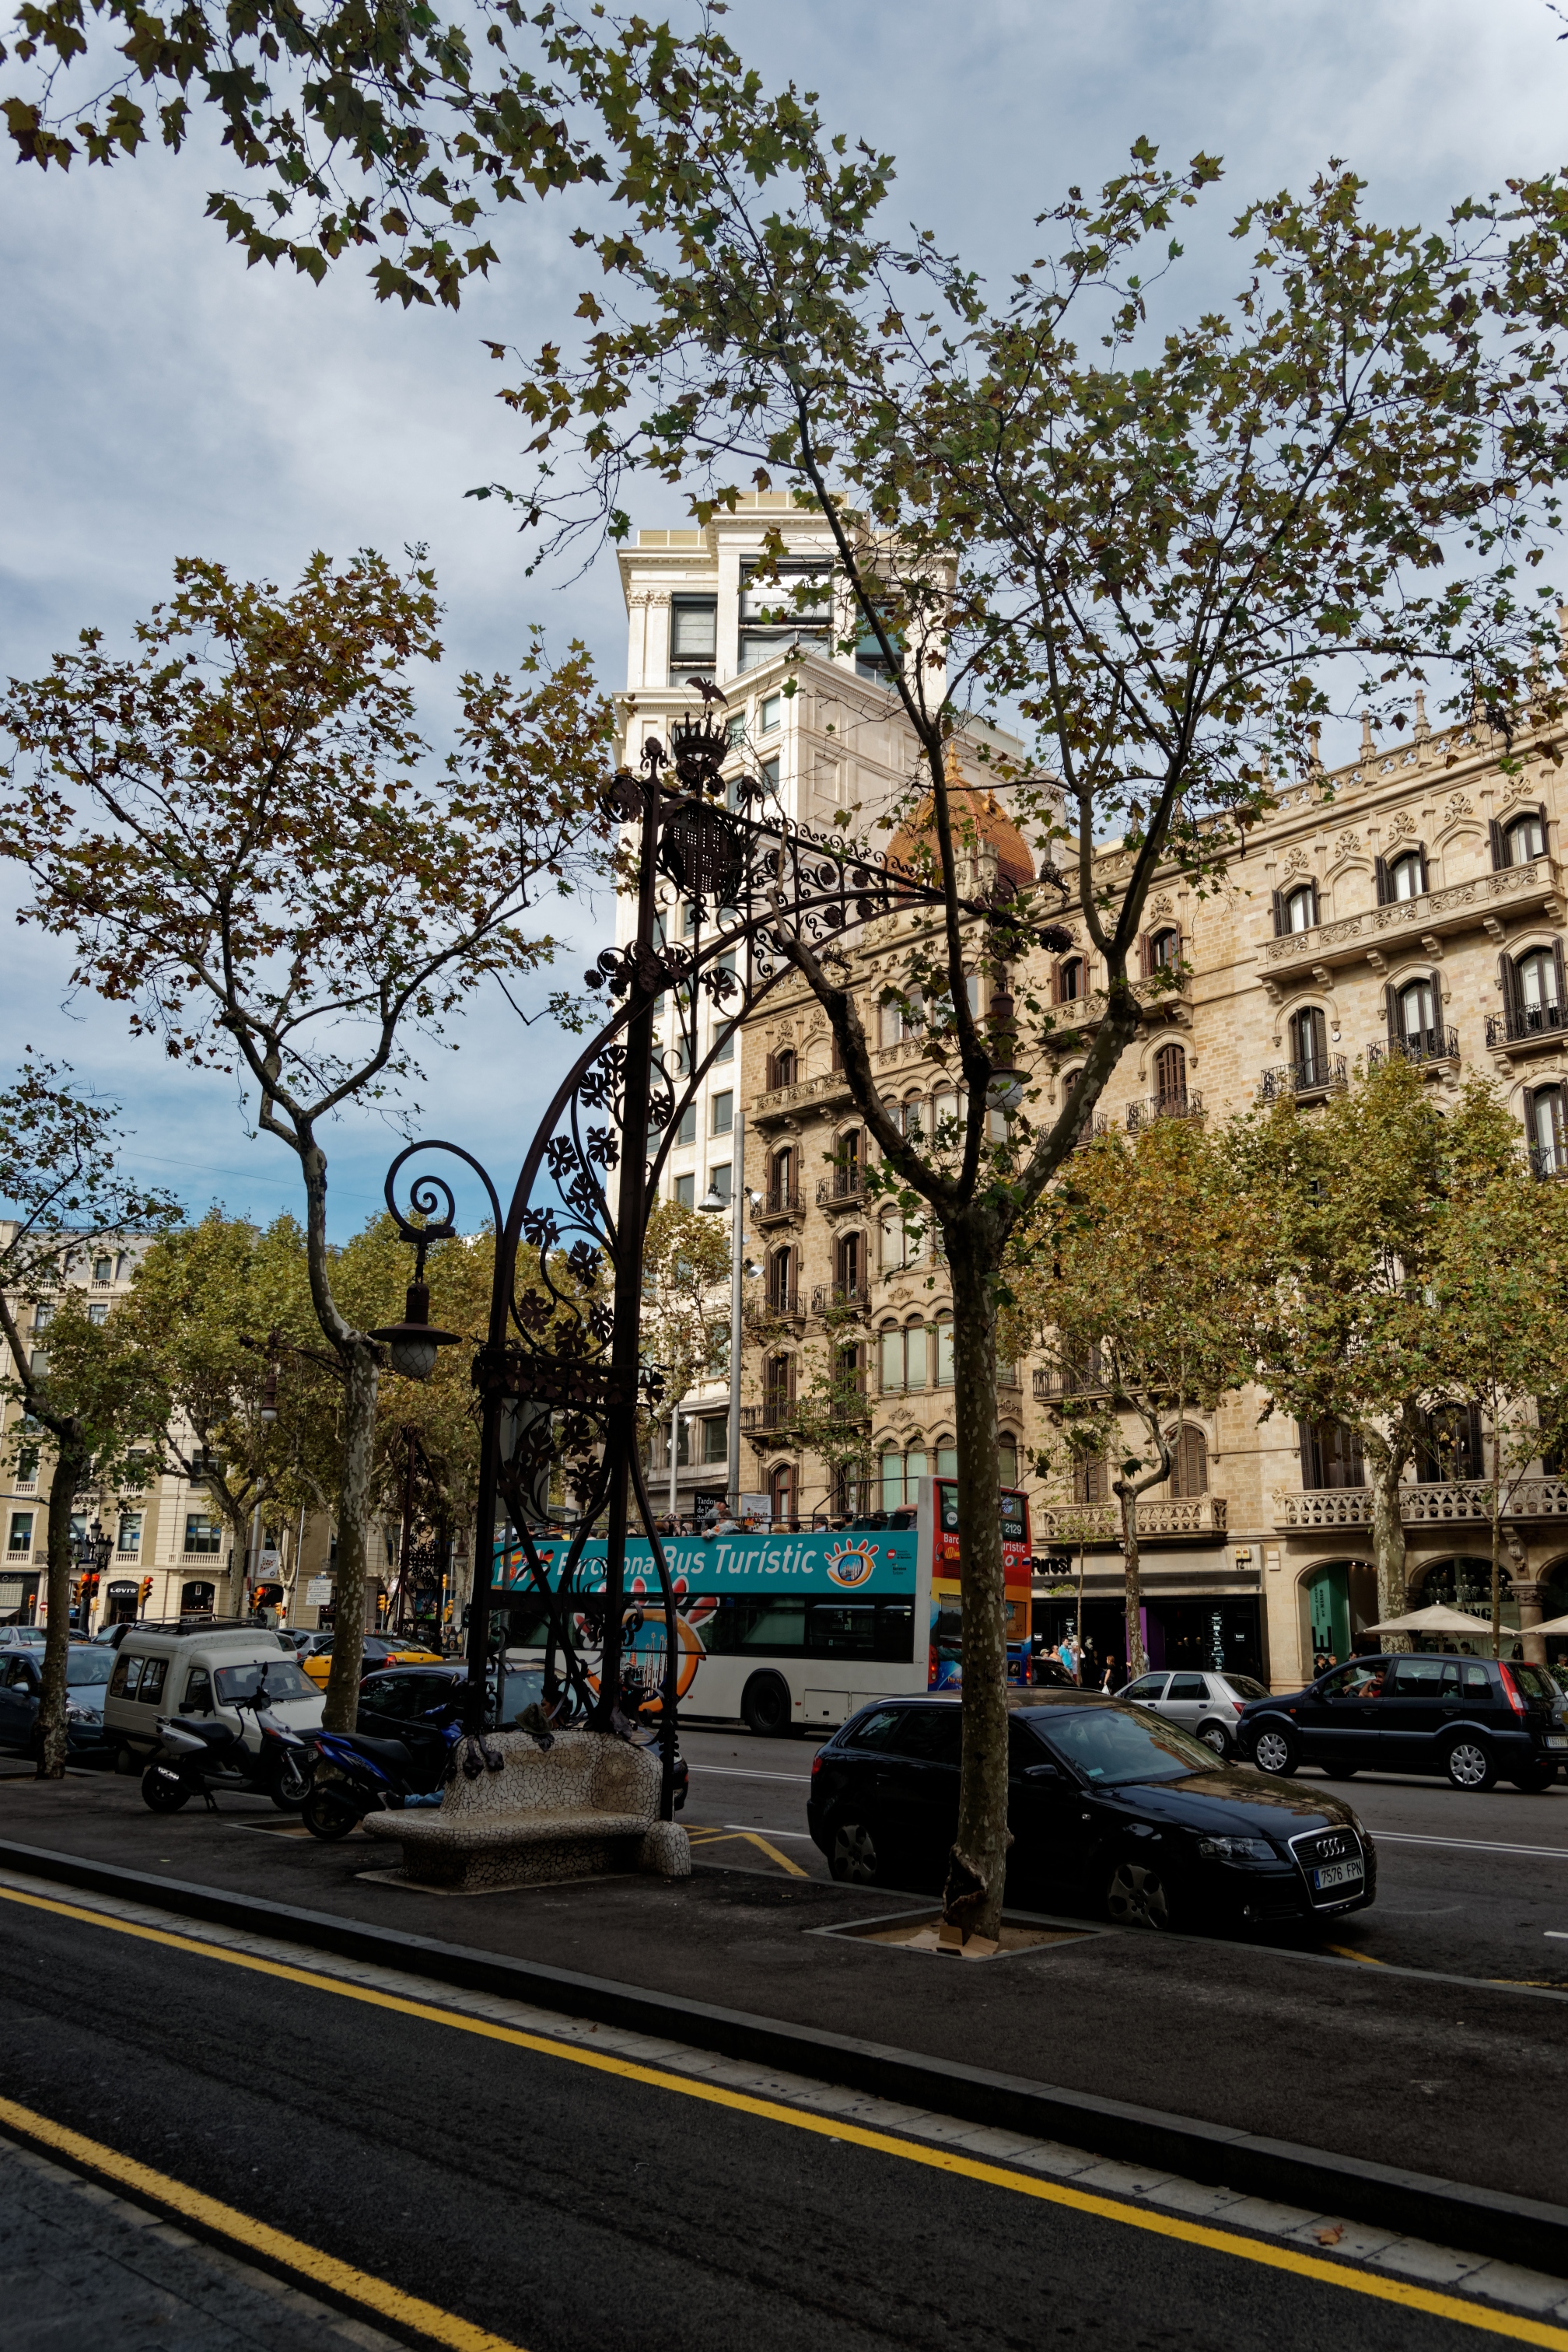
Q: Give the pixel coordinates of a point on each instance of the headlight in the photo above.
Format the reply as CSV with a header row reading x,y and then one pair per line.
x,y
1235,1849
82,1714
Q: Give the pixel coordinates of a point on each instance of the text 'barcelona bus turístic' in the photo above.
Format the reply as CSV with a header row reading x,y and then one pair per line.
x,y
775,1630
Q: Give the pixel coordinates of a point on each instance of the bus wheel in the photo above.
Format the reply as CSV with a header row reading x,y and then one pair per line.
x,y
764,1706
854,1860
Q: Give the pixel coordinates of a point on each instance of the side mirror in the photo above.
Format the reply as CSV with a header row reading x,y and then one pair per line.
x,y
1042,1773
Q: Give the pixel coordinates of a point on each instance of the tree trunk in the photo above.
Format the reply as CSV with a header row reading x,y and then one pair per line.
x,y
1385,1465
1137,1657
72,1464
1496,1516
972,1900
361,1378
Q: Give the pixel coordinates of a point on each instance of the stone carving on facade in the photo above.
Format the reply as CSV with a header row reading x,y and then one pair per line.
x,y
1400,823
1297,861
1347,844
1456,806
1405,914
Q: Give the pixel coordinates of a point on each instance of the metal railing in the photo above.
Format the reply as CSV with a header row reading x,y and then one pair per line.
x,y
776,1410
828,1296
1069,1380
1547,1160
1159,1107
845,1186
779,1199
1416,1045
1524,1021
1318,1074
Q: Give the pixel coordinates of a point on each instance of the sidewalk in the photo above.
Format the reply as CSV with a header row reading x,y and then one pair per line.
x,y
1420,2075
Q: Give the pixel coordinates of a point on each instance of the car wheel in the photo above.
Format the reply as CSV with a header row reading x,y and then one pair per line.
x,y
852,1856
327,1815
1274,1750
163,1789
291,1783
1138,1897
1213,1735
765,1705
1534,1780
1470,1764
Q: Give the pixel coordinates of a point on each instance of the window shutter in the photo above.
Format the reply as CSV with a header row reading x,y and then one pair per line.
x,y
1317,907
1382,890
1308,1453
1391,1003
1439,1019
1279,914
1056,983
1545,826
1509,980
1557,962
1421,863
1144,964
1500,845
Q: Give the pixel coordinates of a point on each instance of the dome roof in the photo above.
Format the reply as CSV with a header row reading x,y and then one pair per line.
x,y
975,811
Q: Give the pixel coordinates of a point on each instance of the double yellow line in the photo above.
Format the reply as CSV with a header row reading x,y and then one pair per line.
x,y
426,2319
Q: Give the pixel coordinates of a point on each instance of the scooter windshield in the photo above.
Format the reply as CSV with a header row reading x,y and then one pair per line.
x,y
238,1685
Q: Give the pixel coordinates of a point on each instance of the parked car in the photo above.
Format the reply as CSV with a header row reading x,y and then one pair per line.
x,y
1110,1809
408,1704
1207,1704
88,1670
381,1650
22,1637
1477,1720
200,1670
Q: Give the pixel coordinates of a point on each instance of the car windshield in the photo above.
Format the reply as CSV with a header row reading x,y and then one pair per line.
x,y
284,1681
85,1667
1106,1745
524,1685
1244,1686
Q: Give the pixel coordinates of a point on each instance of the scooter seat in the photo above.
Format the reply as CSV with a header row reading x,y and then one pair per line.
x,y
216,1735
391,1753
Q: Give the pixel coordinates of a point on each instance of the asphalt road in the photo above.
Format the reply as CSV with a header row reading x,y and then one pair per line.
x,y
558,2199
1471,1886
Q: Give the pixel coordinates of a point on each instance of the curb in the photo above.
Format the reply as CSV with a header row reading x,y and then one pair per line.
x,y
1416,2204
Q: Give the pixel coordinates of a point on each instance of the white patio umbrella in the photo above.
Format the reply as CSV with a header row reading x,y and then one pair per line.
x,y
1553,1626
1441,1619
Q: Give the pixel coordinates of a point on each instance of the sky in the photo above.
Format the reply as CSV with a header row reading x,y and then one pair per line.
x,y
160,400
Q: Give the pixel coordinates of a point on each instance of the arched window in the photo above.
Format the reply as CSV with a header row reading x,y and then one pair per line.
x,y
892,1242
911,1120
1416,1009
1297,910
1525,837
778,1391
1404,876
1070,976
784,1066
1091,1482
1189,1462
892,1469
781,1186
847,1179
782,1293
946,1458
1309,1049
782,1493
1008,1458
1548,1131
1165,948
849,1268
902,1359
944,1351
1170,1081
1331,1455
1540,996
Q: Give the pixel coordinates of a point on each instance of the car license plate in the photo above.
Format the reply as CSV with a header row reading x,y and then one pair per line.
x,y
1553,1740
1336,1874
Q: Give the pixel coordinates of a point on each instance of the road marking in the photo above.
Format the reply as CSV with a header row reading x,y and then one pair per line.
x,y
745,1772
1470,1846
388,2302
727,1837
802,1837
1345,1952
833,2127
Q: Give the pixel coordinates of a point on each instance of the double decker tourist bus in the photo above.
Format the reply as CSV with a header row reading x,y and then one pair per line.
x,y
775,1630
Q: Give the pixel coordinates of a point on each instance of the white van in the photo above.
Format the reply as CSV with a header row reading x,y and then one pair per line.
x,y
200,1670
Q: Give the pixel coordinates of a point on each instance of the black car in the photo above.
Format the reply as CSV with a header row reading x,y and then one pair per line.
x,y
87,1668
1474,1718
1110,1809
408,1703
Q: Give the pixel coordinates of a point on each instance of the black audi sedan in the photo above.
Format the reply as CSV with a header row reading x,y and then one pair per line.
x,y
1111,1810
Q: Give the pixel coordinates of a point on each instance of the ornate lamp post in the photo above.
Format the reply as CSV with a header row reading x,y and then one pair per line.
x,y
559,1375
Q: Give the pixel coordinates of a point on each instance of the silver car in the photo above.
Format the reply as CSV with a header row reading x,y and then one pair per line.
x,y
1205,1703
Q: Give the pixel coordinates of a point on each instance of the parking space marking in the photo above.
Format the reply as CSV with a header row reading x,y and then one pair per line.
x,y
836,2127
1470,1846
747,1773
259,2238
728,1836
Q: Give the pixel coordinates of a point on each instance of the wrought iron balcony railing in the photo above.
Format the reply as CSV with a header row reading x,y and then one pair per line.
x,y
1069,1380
1420,1046
844,1189
779,1199
827,1297
1547,1160
1522,1024
1158,1106
1319,1074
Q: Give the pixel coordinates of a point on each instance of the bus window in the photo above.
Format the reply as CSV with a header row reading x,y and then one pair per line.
x,y
895,1632
836,1632
948,1494
756,1626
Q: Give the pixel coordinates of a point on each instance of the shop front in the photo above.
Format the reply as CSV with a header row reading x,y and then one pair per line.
x,y
1192,1615
18,1596
120,1601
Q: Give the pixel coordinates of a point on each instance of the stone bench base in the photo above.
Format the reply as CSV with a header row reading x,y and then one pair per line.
x,y
536,1821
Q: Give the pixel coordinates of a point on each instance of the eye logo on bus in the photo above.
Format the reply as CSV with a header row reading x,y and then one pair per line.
x,y
849,1565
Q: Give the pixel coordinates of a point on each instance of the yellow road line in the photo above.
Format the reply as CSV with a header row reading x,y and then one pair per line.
x,y
1291,2259
388,2302
1346,1952
725,1837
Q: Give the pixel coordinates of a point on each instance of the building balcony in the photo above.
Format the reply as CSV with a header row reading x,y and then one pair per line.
x,y
1440,1503
779,1201
841,1297
1308,1081
1051,1382
1195,1518
1427,1048
805,1095
1547,1160
774,1415
1526,1027
1141,1115
1157,999
1408,922
845,1189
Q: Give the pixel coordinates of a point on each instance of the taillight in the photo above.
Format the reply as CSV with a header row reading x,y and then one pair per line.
x,y
1511,1691
817,1764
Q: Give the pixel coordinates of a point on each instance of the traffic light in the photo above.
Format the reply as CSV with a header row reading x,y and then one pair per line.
x,y
90,1586
146,1591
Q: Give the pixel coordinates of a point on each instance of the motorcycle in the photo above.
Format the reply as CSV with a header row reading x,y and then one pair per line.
x,y
196,1757
357,1774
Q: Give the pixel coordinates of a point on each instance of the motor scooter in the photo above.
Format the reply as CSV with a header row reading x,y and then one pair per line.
x,y
197,1756
357,1774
